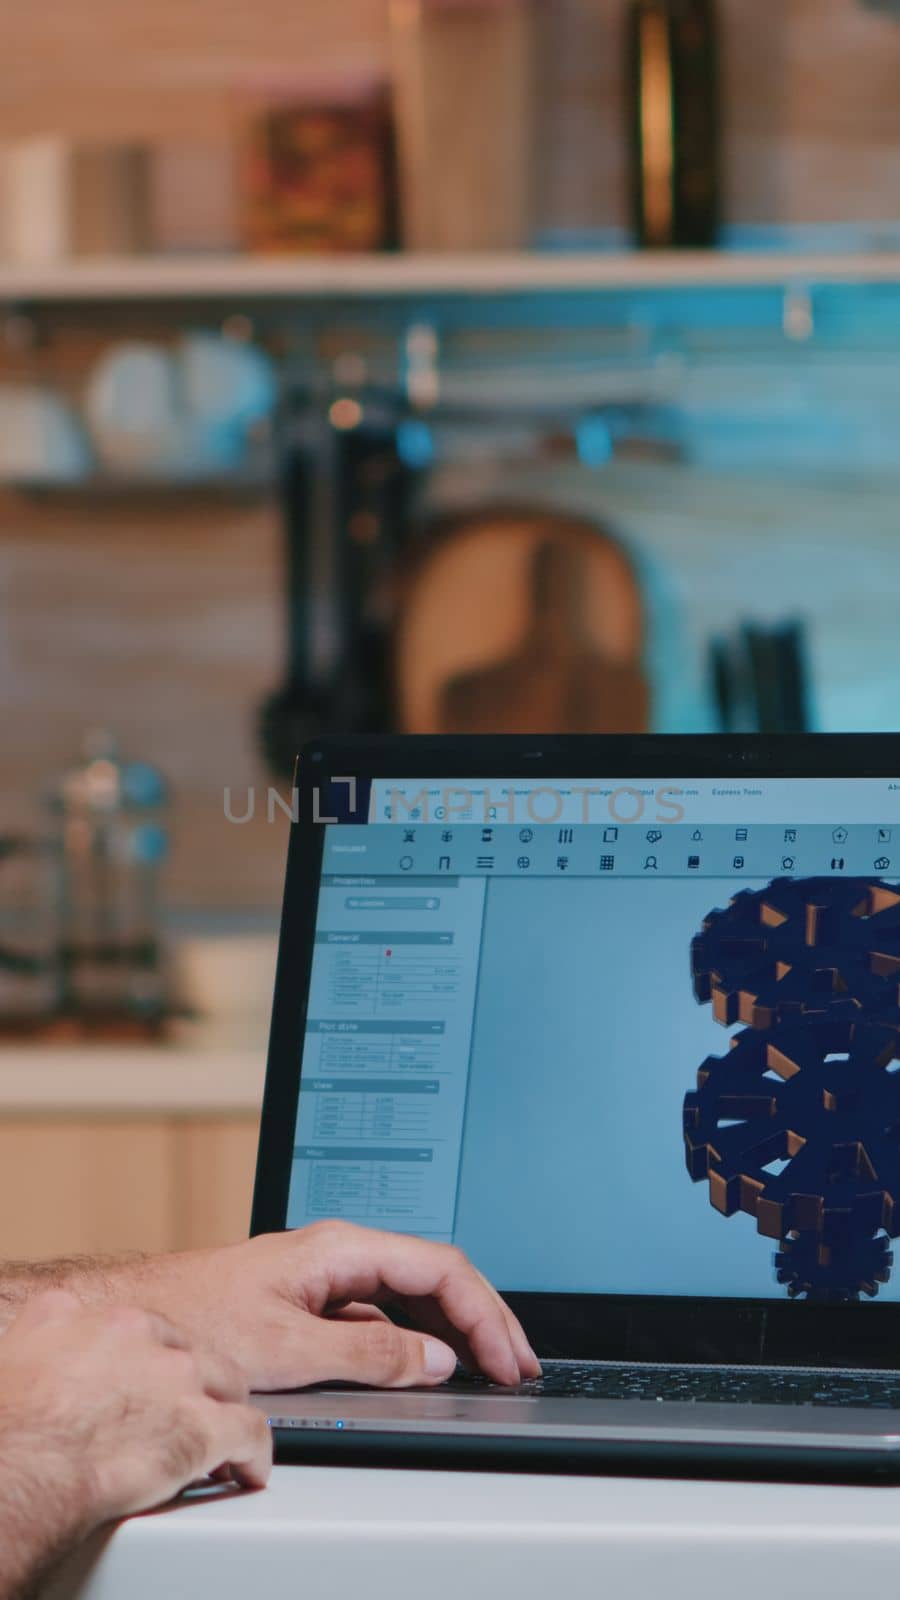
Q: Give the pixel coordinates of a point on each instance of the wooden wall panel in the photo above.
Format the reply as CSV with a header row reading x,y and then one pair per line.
x,y
69,1187
76,1186
142,67
215,1163
812,113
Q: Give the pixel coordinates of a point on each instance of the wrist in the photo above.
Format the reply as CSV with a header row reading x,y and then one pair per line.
x,y
93,1279
155,1283
170,1286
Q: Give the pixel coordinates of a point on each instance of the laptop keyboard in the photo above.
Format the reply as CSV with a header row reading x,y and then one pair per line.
x,y
730,1385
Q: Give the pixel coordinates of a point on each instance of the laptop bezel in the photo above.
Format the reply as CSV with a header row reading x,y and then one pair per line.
x,y
630,1328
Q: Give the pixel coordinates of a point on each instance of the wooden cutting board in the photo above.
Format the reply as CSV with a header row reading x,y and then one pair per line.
x,y
521,623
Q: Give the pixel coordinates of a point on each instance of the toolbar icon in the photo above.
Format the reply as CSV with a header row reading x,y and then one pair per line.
x,y
741,834
696,836
487,835
526,835
523,863
884,835
562,863
406,863
610,835
409,836
790,835
693,863
485,863
651,864
653,835
882,864
566,836
607,863
787,863
837,863
840,836
738,863
444,864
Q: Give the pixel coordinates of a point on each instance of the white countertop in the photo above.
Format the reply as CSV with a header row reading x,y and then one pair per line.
x,y
385,1535
201,1070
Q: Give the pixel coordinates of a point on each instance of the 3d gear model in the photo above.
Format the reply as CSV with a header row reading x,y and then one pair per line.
x,y
799,1124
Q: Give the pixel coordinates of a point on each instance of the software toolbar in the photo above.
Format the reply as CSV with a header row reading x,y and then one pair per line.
x,y
431,854
471,802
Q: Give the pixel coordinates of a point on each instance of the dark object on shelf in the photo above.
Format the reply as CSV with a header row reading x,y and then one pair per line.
x,y
674,134
320,177
796,1125
760,679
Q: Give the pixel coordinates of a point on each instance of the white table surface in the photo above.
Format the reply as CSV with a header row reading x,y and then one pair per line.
x,y
203,1070
386,1535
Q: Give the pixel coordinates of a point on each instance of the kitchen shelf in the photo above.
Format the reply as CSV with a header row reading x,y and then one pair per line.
x,y
231,278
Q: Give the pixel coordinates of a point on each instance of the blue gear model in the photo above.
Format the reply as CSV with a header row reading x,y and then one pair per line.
x,y
799,1125
822,1271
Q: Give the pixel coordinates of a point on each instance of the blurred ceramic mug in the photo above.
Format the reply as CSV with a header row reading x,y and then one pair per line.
x,y
133,410
178,413
227,387
41,438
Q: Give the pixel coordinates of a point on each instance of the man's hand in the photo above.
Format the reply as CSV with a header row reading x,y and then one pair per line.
x,y
305,1307
107,1412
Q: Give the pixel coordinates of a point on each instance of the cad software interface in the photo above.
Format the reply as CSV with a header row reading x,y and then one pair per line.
x,y
624,1037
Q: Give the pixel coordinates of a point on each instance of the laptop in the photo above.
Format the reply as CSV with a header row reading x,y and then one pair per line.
x,y
619,1017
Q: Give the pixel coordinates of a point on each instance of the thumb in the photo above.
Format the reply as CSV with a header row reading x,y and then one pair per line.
x,y
387,1357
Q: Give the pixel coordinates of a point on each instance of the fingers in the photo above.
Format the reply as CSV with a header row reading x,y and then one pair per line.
x,y
361,1264
529,1365
378,1353
427,1314
358,1311
240,1441
430,1318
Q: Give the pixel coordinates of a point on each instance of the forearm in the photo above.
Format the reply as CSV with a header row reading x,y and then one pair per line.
x,y
94,1279
41,1509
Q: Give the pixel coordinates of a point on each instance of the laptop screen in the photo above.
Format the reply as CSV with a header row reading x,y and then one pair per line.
x,y
631,1037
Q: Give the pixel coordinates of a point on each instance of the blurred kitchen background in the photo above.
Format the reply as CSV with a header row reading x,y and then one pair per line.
x,y
416,364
